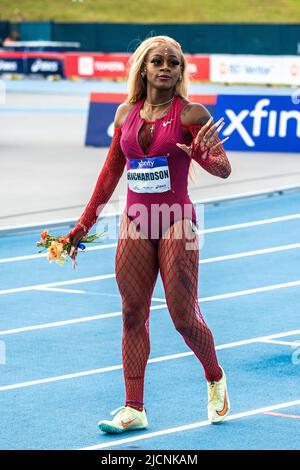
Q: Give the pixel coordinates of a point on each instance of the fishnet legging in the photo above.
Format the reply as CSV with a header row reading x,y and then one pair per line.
x,y
138,261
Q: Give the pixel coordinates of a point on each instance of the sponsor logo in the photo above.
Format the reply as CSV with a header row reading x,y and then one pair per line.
x,y
238,69
260,123
8,66
146,163
192,68
102,66
223,68
86,66
165,123
294,70
126,423
40,65
225,407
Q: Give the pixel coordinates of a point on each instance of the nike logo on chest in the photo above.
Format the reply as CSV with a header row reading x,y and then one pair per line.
x,y
165,123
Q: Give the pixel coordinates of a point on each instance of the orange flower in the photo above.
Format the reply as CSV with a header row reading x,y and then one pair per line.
x,y
54,251
44,234
64,240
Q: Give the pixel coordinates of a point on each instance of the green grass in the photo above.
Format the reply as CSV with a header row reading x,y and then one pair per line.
x,y
156,11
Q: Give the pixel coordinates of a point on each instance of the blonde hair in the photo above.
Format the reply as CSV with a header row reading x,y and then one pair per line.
x,y
136,85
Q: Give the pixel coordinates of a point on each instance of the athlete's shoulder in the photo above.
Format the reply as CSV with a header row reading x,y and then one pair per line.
x,y
122,112
194,114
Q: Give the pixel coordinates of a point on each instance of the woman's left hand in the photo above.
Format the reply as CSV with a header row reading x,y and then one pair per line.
x,y
206,140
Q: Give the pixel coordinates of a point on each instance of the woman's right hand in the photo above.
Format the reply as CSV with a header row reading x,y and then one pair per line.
x,y
74,240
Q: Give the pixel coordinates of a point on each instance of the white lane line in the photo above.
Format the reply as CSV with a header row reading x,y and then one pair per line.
x,y
22,258
153,360
77,291
55,324
187,427
256,290
284,343
108,276
72,321
263,251
156,307
224,228
68,291
60,283
254,223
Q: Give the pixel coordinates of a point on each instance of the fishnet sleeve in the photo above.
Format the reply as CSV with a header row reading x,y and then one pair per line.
x,y
215,161
107,181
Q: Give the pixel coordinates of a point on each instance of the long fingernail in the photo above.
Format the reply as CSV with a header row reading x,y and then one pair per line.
x,y
219,121
219,127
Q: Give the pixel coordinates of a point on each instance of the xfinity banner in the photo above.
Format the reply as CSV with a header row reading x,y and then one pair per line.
x,y
260,123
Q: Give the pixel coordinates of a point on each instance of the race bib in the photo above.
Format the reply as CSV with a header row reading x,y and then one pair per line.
x,y
149,175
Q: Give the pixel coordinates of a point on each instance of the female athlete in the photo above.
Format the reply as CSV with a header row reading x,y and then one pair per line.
x,y
158,133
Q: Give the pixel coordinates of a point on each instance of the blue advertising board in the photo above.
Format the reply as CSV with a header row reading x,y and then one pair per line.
x,y
44,66
100,124
256,123
13,65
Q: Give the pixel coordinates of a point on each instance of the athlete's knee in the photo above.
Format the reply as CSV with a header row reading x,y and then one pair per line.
x,y
182,326
188,325
133,315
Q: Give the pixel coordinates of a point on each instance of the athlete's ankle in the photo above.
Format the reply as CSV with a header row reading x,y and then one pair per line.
x,y
136,405
216,377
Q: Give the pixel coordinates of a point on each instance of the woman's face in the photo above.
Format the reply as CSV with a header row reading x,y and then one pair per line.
x,y
163,67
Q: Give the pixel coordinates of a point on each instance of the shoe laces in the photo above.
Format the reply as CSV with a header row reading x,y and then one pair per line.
x,y
215,392
123,410
117,409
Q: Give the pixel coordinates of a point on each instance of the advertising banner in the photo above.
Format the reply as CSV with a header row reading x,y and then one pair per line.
x,y
266,123
115,66
32,63
11,63
256,69
96,65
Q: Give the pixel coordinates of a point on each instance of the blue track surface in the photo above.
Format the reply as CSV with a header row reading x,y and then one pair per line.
x,y
44,406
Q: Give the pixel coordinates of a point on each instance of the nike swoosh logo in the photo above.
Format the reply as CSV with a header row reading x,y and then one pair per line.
x,y
168,122
225,407
126,423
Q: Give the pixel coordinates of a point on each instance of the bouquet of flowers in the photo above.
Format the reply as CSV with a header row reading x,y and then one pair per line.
x,y
58,248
